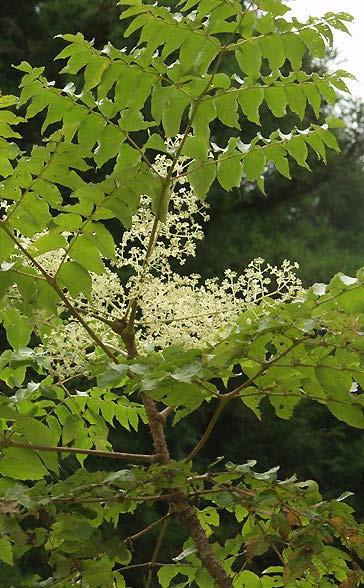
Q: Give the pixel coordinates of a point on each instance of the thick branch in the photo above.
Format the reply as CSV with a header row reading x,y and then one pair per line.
x,y
189,517
156,429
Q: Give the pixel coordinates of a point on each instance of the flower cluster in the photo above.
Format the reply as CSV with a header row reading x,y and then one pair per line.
x,y
178,235
171,308
195,313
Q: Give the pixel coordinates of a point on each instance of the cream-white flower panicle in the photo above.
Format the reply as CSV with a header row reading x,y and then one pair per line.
x,y
171,308
179,234
195,312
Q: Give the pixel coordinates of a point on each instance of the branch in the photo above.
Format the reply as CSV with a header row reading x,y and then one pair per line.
x,y
136,536
122,498
265,367
164,414
132,457
188,516
225,398
156,429
205,437
53,283
155,552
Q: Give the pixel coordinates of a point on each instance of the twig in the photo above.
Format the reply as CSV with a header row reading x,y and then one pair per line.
x,y
136,536
155,552
205,437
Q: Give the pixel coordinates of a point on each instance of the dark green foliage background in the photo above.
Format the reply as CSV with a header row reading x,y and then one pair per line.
x,y
316,219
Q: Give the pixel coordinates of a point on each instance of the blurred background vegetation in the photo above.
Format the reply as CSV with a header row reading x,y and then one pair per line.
x,y
317,219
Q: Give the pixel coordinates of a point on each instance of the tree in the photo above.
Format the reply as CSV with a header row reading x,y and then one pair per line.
x,y
101,337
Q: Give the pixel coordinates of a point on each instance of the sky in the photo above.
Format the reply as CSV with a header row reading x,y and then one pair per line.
x,y
351,56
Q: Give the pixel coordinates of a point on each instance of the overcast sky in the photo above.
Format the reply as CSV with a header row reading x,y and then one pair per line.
x,y
351,48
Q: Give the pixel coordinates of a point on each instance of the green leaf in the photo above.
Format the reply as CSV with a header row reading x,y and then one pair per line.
x,y
80,56
297,148
39,102
335,123
160,97
204,115
226,109
275,7
90,129
254,164
276,99
35,432
284,407
102,239
294,49
296,100
201,175
76,279
249,58
167,573
127,159
313,97
133,120
196,147
314,42
69,221
337,382
6,169
316,143
21,464
109,142
84,251
48,191
31,215
133,88
18,328
156,142
327,91
329,139
173,112
6,101
250,100
230,169
48,242
247,579
6,551
273,49
57,108
94,70
277,154
7,246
